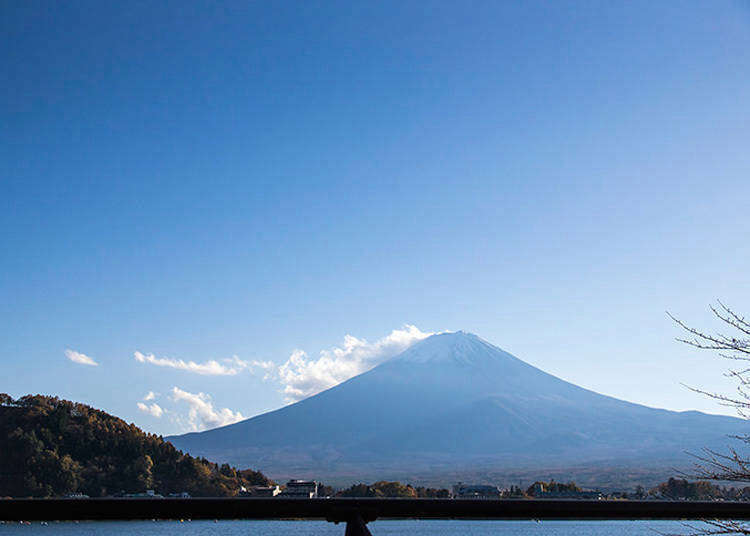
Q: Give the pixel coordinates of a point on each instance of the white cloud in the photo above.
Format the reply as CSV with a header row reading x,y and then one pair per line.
x,y
303,377
154,409
209,368
81,359
232,366
202,414
299,377
268,367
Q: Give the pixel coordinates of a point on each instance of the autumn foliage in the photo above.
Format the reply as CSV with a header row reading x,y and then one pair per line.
x,y
52,447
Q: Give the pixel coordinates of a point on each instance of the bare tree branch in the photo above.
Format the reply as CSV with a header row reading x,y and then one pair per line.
x,y
705,341
712,465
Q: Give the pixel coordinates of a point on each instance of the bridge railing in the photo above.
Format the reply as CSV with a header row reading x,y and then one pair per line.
x,y
356,513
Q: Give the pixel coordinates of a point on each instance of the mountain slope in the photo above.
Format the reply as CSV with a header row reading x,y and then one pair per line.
x,y
455,401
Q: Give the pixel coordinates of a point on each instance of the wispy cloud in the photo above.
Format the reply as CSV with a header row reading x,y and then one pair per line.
x,y
155,410
302,377
212,367
150,396
208,368
202,414
81,359
268,367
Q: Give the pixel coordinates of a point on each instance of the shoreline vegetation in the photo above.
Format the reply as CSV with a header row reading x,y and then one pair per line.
x,y
57,448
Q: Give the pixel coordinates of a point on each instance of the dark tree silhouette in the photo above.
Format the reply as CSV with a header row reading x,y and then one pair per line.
x,y
392,489
732,465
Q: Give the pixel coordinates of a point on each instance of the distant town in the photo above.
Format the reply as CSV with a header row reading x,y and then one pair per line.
x,y
673,489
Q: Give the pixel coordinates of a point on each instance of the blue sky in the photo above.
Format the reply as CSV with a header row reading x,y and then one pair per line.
x,y
200,182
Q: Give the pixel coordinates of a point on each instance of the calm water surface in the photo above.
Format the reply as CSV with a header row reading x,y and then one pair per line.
x,y
321,528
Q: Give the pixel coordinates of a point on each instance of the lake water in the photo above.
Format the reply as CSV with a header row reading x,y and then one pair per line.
x,y
321,528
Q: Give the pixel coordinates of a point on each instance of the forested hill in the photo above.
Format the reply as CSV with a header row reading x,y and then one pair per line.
x,y
53,447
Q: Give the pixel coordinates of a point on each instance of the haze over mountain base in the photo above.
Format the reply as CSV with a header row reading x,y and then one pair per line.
x,y
454,407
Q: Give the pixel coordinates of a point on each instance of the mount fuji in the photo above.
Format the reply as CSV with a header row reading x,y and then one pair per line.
x,y
451,406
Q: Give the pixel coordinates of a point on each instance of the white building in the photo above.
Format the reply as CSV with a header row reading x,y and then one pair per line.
x,y
302,489
259,491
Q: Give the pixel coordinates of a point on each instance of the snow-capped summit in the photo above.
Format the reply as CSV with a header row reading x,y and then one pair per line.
x,y
454,346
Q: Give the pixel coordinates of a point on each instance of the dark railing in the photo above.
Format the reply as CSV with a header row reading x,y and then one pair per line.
x,y
356,513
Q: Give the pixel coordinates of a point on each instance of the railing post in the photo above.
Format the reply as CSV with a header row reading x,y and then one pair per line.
x,y
356,526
